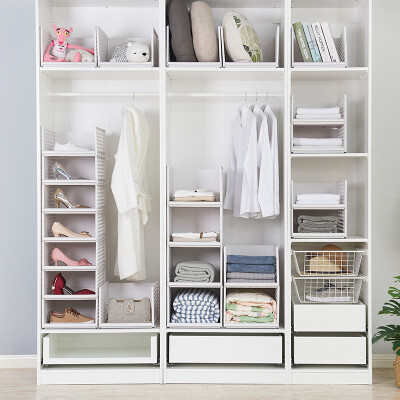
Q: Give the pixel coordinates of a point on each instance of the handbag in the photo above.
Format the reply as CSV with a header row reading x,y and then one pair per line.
x,y
129,311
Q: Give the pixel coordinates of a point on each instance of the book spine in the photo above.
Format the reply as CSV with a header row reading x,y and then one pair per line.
x,y
329,42
312,44
320,39
302,42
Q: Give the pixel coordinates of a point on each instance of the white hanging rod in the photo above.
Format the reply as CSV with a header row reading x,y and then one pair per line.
x,y
171,94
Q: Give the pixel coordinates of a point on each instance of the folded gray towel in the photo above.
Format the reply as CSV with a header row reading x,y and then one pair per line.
x,y
249,275
251,280
194,271
316,220
317,229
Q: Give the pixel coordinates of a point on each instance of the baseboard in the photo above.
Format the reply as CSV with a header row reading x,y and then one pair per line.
x,y
382,360
18,361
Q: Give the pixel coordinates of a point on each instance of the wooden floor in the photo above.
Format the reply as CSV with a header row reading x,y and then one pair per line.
x,y
20,384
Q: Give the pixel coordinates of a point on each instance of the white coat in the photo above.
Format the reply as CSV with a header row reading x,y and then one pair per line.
x,y
242,185
129,188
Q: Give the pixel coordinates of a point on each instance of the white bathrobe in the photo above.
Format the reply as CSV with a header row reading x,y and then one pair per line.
x,y
242,186
129,188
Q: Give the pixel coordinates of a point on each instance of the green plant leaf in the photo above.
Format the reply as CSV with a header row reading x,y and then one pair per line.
x,y
394,292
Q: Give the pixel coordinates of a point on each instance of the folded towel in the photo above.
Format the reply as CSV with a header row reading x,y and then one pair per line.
x,y
318,196
317,220
195,198
317,202
238,307
248,319
253,296
195,306
194,271
319,229
179,239
195,237
258,268
262,313
318,117
318,142
251,280
240,259
194,193
249,275
322,110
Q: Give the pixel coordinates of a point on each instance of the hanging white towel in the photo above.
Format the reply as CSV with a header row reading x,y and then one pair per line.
x,y
242,186
129,188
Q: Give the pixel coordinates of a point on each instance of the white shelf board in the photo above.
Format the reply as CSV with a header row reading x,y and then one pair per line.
x,y
104,3
224,330
194,284
316,235
69,211
68,327
68,297
224,74
251,326
326,3
195,325
313,122
328,74
52,239
248,285
64,154
329,155
67,182
67,268
319,207
101,330
193,204
101,74
349,239
194,244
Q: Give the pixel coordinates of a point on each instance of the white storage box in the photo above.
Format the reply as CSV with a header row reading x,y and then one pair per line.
x,y
329,317
88,42
272,62
100,348
106,46
135,290
196,64
225,349
341,47
334,350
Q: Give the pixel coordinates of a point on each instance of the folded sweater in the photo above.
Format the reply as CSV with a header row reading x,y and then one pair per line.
x,y
241,259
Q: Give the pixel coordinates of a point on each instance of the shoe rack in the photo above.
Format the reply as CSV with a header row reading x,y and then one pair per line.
x,y
89,192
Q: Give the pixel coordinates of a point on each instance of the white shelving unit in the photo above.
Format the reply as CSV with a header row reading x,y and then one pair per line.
x,y
191,110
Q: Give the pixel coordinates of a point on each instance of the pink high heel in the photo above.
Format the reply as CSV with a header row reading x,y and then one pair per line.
x,y
58,256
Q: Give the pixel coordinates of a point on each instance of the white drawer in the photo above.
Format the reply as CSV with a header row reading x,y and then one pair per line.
x,y
329,317
225,349
330,349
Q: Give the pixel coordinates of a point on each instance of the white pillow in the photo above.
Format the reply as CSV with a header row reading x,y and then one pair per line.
x,y
241,40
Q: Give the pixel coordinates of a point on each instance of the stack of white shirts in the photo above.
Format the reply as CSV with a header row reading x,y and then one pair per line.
x,y
329,113
253,175
318,199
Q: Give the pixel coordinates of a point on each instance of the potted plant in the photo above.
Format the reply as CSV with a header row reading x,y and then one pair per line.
x,y
391,333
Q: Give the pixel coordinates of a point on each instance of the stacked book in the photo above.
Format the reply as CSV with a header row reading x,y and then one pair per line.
x,y
315,42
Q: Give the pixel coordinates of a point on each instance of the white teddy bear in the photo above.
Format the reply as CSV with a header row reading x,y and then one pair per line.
x,y
131,52
86,56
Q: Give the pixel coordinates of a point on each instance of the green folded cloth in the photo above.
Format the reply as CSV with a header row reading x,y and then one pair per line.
x,y
246,318
236,307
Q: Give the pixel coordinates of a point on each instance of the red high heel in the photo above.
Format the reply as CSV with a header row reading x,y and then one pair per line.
x,y
58,256
59,287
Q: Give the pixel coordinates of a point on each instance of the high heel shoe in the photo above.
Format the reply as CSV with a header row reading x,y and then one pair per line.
x,y
59,287
58,256
60,197
58,169
60,230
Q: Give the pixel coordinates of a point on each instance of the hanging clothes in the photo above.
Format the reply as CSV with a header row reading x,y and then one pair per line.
x,y
129,187
242,185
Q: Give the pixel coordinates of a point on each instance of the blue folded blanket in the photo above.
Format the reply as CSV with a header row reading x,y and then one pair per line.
x,y
260,268
253,260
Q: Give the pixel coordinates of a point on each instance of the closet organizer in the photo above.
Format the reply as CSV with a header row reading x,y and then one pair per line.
x,y
317,327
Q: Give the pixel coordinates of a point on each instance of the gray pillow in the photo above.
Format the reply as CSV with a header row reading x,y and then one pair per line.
x,y
181,35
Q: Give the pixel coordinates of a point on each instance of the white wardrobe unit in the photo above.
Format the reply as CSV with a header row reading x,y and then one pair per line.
x,y
191,111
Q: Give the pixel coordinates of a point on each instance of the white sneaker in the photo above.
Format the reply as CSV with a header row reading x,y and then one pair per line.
x,y
70,146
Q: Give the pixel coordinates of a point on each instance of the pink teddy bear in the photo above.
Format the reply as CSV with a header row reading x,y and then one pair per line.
x,y
57,49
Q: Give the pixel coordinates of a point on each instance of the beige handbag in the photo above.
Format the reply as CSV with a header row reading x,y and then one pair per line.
x,y
129,311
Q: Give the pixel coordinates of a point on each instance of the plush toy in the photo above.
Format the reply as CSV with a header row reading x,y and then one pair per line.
x,y
131,52
57,49
85,56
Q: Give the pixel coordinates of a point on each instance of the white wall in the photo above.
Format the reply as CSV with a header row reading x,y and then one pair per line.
x,y
18,178
18,169
385,158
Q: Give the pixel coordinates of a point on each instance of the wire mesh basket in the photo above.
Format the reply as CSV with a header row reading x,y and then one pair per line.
x,y
328,290
317,263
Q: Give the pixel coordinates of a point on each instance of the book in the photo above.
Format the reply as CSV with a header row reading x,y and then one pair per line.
x,y
312,44
302,42
329,42
320,39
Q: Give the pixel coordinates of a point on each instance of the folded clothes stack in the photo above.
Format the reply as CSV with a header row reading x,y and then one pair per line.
x,y
194,195
195,306
195,237
328,113
255,269
317,142
194,271
249,306
318,199
317,224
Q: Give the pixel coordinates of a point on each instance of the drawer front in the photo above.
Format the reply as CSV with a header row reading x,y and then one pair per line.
x,y
330,350
224,349
329,317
